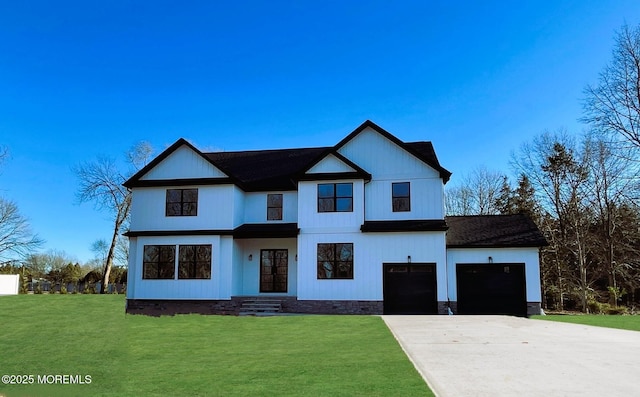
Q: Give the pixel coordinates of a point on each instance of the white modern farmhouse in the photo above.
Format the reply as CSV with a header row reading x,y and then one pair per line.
x,y
357,228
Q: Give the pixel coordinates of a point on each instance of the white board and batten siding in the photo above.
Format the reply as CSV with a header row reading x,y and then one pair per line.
x,y
529,256
388,163
370,252
215,209
384,159
309,219
330,164
183,163
255,207
9,284
217,287
425,196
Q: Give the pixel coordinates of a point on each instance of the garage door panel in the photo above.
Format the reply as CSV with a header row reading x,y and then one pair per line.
x,y
491,289
410,289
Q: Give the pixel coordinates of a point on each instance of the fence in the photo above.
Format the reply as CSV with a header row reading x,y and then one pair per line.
x,y
72,288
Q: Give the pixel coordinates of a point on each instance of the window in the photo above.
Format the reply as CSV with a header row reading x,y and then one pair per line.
x,y
158,262
194,262
335,197
335,260
274,207
401,196
182,202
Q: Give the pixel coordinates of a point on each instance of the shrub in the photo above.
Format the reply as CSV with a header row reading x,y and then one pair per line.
x,y
63,289
593,306
609,309
89,289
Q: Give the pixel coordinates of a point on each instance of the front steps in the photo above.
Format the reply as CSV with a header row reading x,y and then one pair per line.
x,y
260,307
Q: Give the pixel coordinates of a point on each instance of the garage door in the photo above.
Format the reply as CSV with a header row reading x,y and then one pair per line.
x,y
491,289
410,289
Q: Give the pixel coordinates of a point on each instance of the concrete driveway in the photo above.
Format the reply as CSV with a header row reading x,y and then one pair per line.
x,y
510,356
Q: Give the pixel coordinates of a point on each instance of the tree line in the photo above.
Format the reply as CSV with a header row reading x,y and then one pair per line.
x,y
582,191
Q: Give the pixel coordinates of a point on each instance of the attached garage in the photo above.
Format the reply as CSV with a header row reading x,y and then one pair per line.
x,y
493,265
410,288
491,288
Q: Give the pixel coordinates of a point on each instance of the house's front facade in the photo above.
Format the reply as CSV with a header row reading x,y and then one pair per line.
x,y
358,227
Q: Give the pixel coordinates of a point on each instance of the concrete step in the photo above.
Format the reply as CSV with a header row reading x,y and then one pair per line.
x,y
258,306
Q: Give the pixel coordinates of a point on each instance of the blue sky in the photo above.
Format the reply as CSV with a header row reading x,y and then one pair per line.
x,y
85,79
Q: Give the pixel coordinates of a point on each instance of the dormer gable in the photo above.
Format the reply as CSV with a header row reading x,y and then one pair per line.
x,y
331,165
369,135
180,164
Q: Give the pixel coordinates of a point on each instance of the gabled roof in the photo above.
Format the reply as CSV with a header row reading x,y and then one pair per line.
x,y
493,231
135,180
358,173
421,150
280,169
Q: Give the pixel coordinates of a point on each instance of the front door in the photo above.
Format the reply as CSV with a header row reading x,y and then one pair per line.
x,y
273,270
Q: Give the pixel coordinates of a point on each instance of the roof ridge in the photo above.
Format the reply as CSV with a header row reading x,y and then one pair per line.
x,y
269,150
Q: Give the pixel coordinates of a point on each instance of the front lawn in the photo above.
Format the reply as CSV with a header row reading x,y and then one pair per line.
x,y
600,320
127,355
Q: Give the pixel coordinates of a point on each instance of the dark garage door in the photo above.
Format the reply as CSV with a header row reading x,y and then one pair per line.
x,y
491,288
410,289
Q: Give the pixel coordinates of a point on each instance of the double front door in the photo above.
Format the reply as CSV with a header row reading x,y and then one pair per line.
x,y
273,270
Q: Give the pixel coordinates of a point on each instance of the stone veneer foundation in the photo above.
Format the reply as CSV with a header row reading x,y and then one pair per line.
x,y
159,307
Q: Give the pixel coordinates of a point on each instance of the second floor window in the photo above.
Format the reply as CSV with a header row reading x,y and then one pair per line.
x,y
335,197
401,197
182,202
274,207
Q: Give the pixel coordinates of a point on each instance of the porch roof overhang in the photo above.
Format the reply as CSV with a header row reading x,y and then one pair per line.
x,y
246,231
266,230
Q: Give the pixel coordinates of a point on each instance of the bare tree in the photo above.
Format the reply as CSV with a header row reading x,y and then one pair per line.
x,y
101,183
16,237
4,154
477,194
613,184
613,105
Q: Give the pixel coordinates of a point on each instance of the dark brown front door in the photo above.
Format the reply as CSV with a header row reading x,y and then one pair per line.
x,y
273,270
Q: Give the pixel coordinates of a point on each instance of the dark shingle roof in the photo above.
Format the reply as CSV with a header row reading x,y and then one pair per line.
x,y
493,231
263,170
426,225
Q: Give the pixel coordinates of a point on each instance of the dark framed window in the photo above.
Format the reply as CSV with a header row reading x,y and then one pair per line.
x,y
159,262
335,261
401,196
194,262
335,197
274,207
182,202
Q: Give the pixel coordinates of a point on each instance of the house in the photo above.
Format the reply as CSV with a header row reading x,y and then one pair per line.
x,y
357,228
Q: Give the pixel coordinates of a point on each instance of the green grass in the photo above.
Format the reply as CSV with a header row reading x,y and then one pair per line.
x,y
192,355
622,322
